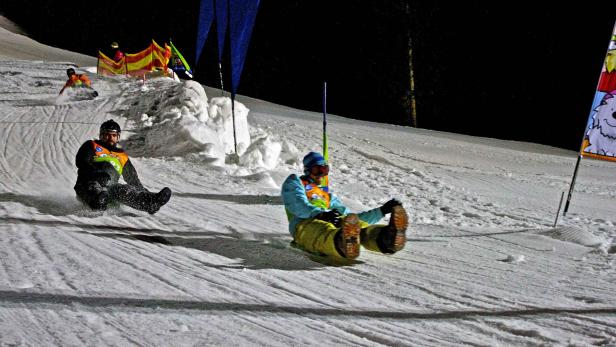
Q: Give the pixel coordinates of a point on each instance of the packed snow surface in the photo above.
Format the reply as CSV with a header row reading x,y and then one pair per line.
x,y
483,266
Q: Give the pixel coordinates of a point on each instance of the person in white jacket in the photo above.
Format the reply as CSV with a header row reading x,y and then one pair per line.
x,y
320,223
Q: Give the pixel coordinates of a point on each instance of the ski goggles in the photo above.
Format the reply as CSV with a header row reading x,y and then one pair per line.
x,y
319,170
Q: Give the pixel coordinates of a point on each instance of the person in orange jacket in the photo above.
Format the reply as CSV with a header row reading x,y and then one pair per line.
x,y
77,80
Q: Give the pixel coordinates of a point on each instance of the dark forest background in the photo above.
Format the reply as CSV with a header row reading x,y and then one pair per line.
x,y
510,71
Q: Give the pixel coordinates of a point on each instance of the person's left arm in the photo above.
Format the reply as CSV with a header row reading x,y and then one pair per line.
x,y
370,216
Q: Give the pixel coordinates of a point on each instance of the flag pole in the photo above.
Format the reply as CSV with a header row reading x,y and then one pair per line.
x,y
222,87
575,171
577,164
233,116
220,53
325,149
233,86
562,195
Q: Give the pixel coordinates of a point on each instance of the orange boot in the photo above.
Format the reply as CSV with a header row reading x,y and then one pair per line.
x,y
392,238
347,240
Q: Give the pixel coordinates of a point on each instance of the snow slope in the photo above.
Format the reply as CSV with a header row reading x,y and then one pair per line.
x,y
13,45
483,265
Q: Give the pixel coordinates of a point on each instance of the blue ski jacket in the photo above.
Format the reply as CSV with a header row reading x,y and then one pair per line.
x,y
299,209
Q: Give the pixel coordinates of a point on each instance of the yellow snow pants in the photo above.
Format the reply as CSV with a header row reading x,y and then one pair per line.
x,y
317,236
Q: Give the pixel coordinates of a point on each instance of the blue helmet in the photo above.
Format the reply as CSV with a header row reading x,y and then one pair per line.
x,y
313,159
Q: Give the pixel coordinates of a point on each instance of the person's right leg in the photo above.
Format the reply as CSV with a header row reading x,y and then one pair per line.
x,y
94,195
139,199
318,236
389,238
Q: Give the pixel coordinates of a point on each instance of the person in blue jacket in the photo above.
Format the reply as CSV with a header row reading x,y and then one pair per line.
x,y
320,223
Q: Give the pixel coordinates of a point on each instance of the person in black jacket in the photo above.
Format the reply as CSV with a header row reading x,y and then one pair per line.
x,y
100,164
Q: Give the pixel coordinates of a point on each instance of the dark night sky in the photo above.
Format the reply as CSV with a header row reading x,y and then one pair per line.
x,y
481,68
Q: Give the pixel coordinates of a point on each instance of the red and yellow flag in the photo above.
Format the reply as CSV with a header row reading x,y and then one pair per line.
x,y
107,67
150,59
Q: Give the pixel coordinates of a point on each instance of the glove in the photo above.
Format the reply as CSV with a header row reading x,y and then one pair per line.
x,y
388,206
332,216
94,94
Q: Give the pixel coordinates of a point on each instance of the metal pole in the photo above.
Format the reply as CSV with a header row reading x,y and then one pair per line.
x,y
222,87
562,195
233,116
577,165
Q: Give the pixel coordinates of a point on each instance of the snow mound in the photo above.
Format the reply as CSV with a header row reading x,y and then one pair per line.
x,y
263,152
574,235
176,119
220,117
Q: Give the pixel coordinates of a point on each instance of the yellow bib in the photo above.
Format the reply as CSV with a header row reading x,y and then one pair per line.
x,y
317,195
116,159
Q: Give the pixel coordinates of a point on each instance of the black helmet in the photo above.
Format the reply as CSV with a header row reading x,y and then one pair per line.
x,y
70,71
110,126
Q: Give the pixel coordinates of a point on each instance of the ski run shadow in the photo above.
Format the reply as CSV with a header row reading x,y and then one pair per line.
x,y
45,205
238,199
264,251
36,299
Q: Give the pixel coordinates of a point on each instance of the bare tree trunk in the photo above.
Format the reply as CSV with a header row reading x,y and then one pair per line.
x,y
411,94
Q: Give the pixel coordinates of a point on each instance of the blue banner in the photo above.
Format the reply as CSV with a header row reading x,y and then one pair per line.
x,y
242,19
206,17
222,18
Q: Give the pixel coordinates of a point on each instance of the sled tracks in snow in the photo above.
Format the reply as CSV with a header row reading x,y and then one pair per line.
x,y
36,299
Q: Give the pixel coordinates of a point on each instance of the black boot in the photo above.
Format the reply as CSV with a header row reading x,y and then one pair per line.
x,y
95,196
139,198
159,199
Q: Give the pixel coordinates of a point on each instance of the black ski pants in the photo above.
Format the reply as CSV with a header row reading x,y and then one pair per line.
x,y
98,197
